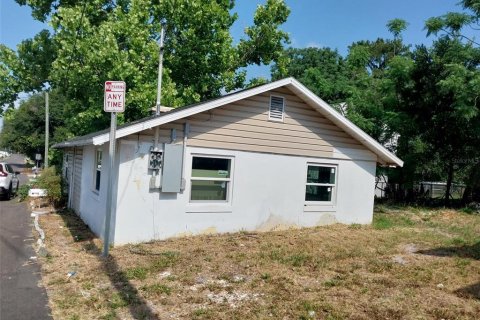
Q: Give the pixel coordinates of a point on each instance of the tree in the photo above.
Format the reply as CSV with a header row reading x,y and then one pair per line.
x,y
452,23
24,128
437,98
461,80
322,70
94,41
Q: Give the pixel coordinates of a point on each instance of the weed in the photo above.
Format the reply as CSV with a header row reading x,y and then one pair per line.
x,y
387,221
165,260
118,301
202,313
382,222
458,241
111,315
22,191
157,289
138,273
331,283
67,302
265,276
355,226
298,260
57,281
87,285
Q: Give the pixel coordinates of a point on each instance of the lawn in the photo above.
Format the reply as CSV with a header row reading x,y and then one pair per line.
x,y
410,264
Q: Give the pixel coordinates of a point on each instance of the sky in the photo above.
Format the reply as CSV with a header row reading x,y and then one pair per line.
x,y
312,23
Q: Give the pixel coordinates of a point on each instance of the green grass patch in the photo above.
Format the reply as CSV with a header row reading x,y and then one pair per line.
x,y
165,260
138,273
391,220
202,313
157,289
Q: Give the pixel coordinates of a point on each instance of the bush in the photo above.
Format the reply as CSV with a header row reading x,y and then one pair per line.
x,y
52,183
22,192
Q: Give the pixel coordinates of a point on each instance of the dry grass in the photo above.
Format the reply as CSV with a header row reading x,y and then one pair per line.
x,y
410,264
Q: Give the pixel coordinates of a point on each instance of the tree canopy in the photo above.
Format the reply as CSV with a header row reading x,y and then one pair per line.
x,y
420,102
98,40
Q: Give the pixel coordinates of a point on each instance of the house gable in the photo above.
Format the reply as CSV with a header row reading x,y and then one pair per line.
x,y
179,115
245,125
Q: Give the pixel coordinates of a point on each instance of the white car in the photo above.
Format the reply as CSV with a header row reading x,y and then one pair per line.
x,y
8,180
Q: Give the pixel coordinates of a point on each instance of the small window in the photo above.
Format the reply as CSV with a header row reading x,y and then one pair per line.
x,y
98,169
277,108
321,182
211,179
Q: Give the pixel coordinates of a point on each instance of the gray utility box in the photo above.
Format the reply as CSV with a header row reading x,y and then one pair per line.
x,y
172,168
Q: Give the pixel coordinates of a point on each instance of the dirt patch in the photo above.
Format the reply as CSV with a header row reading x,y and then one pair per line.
x,y
335,272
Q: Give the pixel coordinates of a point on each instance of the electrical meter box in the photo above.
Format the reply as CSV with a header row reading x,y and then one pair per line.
x,y
155,160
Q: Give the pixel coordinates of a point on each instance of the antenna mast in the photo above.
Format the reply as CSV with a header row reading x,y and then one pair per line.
x,y
160,66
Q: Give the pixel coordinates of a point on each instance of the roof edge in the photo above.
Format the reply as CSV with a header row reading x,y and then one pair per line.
x,y
385,156
341,121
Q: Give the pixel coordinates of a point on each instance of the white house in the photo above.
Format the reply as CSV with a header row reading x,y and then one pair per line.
x,y
269,157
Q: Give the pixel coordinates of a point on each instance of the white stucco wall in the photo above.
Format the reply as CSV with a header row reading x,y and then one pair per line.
x,y
92,202
268,192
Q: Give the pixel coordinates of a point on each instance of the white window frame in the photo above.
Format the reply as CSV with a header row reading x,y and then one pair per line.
x,y
334,186
270,108
228,201
95,169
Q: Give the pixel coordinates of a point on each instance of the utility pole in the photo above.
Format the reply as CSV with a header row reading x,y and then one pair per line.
x,y
160,67
47,129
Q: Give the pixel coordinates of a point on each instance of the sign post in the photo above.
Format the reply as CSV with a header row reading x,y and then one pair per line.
x,y
114,102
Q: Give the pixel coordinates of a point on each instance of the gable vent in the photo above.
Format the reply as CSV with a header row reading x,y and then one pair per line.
x,y
277,106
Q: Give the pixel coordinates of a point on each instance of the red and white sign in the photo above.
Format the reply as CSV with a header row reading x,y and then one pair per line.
x,y
114,96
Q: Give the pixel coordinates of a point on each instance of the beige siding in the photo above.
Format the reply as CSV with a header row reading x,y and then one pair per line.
x,y
77,179
244,125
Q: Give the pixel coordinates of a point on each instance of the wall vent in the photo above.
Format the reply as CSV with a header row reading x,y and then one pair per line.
x,y
277,107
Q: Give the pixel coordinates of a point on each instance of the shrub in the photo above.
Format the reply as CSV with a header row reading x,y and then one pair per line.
x,y
22,192
52,183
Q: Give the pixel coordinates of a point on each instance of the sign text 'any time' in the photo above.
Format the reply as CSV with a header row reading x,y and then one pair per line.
x,y
114,96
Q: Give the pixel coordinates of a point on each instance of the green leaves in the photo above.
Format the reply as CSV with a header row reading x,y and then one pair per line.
x,y
98,40
265,41
396,26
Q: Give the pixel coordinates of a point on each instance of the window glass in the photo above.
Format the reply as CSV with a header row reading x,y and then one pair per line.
x,y
98,169
210,179
316,174
209,190
97,180
320,185
203,167
318,193
99,159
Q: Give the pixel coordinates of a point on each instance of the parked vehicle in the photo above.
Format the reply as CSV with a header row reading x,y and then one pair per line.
x,y
8,180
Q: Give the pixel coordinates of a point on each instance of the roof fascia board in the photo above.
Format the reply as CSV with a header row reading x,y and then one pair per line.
x,y
348,126
191,111
72,144
318,104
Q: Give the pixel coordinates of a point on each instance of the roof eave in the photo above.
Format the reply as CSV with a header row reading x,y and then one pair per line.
x,y
381,152
385,156
188,112
71,144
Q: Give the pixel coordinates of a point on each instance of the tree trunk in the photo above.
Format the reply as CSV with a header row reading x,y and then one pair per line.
x,y
449,183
